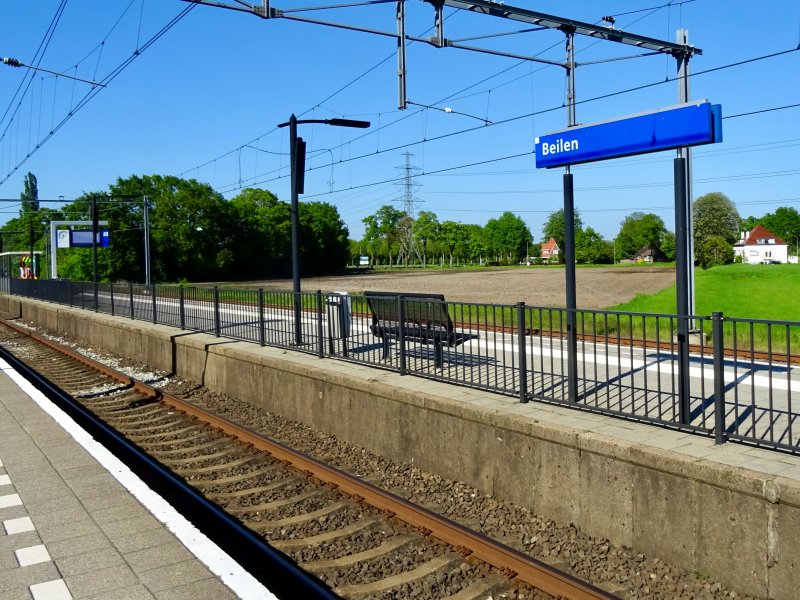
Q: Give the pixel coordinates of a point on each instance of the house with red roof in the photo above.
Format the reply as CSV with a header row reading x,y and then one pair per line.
x,y
761,246
550,251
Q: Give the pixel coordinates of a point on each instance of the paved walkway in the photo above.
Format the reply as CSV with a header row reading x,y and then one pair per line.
x,y
70,529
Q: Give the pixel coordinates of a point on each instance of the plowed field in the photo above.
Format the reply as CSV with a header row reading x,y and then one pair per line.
x,y
598,288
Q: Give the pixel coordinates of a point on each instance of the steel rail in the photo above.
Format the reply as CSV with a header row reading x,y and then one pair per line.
x,y
513,563
271,567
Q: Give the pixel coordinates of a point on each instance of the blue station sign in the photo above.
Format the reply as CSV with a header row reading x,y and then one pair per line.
x,y
690,124
83,239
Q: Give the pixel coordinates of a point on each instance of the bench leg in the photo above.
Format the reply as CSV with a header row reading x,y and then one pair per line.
x,y
438,355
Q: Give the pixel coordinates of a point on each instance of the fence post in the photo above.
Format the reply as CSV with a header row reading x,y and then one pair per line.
x,y
182,306
320,333
111,294
718,339
155,304
401,337
130,299
69,292
523,358
217,328
262,334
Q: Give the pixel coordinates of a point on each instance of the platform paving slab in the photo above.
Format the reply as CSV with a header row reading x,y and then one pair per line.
x,y
89,562
18,579
135,592
207,589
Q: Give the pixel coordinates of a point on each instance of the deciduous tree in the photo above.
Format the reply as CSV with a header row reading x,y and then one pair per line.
x,y
508,236
784,223
554,228
426,228
590,247
715,215
715,251
640,230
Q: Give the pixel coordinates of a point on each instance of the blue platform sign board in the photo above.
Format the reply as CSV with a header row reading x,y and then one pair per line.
x,y
690,124
83,239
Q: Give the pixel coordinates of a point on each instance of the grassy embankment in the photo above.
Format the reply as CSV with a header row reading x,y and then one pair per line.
x,y
767,292
742,291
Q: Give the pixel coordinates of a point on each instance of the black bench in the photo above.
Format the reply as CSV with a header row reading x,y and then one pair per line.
x,y
424,320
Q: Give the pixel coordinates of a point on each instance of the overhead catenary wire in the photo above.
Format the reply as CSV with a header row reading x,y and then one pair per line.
x,y
95,90
375,131
256,181
330,96
37,59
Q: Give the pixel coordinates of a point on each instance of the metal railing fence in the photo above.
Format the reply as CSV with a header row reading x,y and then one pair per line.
x,y
732,379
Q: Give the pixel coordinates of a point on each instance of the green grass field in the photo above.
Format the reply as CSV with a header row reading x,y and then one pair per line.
x,y
743,291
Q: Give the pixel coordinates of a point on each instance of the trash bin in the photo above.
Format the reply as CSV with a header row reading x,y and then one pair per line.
x,y
339,311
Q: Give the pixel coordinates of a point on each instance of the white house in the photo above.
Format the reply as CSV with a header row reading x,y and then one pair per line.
x,y
761,246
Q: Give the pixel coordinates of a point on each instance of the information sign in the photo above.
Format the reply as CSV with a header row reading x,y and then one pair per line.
x,y
83,238
690,124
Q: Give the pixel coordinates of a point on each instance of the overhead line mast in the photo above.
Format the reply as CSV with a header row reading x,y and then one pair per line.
x,y
681,50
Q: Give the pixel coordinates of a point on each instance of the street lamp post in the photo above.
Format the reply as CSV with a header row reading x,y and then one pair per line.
x,y
297,154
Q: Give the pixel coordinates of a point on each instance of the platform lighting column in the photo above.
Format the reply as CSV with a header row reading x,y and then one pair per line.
x,y
297,153
95,226
147,274
295,218
30,235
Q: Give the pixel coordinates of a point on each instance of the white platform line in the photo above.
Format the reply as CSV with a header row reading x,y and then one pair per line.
x,y
20,525
32,555
10,500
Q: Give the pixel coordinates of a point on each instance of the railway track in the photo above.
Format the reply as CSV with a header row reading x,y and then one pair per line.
x,y
352,538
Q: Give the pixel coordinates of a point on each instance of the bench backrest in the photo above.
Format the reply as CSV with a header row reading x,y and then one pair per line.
x,y
428,310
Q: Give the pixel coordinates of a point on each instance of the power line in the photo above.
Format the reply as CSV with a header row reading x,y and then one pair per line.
x,y
765,110
37,59
373,131
231,187
318,104
95,90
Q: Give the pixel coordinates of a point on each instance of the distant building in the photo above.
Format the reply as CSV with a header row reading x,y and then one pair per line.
x,y
645,255
761,246
550,251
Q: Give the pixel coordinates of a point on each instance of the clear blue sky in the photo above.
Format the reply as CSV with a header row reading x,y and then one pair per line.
x,y
202,102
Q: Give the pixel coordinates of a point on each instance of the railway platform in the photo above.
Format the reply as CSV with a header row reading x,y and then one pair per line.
x,y
729,510
75,523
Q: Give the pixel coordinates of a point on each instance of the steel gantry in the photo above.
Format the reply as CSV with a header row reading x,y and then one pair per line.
x,y
681,50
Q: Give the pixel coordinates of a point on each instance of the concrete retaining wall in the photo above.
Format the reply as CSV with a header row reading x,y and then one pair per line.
x,y
739,526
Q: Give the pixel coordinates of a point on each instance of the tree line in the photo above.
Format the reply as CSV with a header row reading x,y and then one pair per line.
x,y
196,234
393,237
